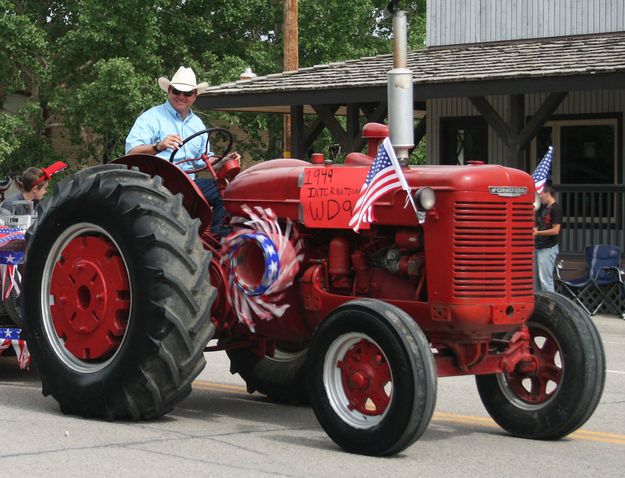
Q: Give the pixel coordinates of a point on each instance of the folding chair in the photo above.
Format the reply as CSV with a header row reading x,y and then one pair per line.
x,y
592,290
617,304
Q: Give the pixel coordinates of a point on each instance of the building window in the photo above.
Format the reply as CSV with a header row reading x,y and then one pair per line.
x,y
463,140
585,165
585,151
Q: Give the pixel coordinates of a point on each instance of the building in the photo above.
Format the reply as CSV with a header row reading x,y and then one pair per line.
x,y
499,81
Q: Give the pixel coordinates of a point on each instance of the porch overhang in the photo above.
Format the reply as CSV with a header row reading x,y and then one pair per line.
x,y
503,68
280,102
357,88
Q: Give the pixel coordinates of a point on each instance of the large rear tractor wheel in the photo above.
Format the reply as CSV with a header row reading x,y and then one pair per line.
x,y
282,377
371,378
563,391
117,295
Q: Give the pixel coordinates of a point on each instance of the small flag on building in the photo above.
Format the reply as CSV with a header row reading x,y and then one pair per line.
x,y
541,173
385,175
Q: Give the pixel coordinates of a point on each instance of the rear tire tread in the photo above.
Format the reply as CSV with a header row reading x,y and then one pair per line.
x,y
173,323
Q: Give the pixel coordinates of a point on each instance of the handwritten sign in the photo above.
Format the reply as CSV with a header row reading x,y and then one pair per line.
x,y
329,193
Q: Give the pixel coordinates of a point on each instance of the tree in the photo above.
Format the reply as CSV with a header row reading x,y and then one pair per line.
x,y
91,66
22,61
106,72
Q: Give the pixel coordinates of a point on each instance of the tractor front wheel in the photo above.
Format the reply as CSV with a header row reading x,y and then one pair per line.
x,y
371,378
117,295
563,391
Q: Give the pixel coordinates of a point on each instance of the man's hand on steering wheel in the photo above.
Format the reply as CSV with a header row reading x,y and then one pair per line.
x,y
215,162
171,141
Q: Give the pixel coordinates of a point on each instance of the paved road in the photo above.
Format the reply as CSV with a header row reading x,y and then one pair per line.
x,y
220,430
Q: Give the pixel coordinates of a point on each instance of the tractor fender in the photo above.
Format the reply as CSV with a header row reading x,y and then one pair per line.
x,y
174,179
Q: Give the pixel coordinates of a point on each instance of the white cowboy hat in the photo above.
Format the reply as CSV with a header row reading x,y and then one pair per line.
x,y
183,80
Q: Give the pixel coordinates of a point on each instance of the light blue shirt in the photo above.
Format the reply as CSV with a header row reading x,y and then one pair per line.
x,y
156,123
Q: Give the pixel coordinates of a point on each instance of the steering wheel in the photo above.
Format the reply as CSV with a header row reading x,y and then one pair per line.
x,y
205,159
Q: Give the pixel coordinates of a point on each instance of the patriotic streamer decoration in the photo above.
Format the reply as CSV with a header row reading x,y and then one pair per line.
x,y
11,337
12,247
261,261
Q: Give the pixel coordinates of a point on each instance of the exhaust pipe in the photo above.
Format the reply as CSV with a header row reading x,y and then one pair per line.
x,y
400,103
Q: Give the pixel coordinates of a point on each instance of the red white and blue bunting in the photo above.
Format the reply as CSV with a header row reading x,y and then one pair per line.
x,y
11,337
12,246
276,260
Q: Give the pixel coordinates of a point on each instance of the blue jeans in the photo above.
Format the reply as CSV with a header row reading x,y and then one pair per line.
x,y
545,262
211,192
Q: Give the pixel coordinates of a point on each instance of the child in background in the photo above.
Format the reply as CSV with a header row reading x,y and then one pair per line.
x,y
34,184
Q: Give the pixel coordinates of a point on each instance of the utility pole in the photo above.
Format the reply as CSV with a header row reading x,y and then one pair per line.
x,y
291,59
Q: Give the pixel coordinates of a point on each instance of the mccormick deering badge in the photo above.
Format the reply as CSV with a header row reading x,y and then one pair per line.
x,y
507,191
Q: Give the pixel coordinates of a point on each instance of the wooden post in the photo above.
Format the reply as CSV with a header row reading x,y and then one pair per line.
x,y
297,131
291,60
516,154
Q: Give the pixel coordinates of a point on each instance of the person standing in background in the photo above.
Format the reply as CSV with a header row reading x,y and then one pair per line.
x,y
546,234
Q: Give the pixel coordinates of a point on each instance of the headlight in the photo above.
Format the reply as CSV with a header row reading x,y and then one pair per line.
x,y
536,201
425,198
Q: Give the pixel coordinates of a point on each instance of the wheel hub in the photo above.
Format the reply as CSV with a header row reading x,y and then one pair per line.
x,y
365,374
359,381
538,380
90,291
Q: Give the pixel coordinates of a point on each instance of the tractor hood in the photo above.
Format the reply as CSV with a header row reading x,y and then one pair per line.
x,y
271,184
325,195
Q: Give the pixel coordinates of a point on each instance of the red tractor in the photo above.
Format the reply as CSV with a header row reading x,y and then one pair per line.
x,y
125,285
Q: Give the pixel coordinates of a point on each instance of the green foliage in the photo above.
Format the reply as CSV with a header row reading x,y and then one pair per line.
x,y
19,147
106,105
23,52
419,153
325,37
93,65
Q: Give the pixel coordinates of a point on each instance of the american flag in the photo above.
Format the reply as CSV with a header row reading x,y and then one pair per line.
x,y
541,173
11,337
11,244
10,333
385,175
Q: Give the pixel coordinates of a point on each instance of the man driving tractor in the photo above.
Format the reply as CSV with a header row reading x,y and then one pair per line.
x,y
159,131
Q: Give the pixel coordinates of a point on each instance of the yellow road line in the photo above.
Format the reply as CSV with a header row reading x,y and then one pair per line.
x,y
599,436
464,419
221,387
585,435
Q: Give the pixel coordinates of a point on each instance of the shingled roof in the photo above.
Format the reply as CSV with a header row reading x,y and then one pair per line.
x,y
554,64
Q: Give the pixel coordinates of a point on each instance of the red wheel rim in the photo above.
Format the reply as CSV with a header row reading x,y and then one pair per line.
x,y
541,385
365,375
90,297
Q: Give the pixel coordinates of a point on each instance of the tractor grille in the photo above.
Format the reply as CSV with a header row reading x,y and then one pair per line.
x,y
493,250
